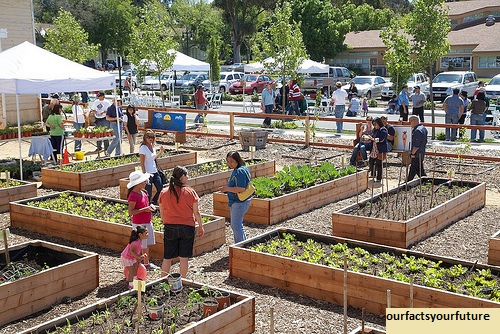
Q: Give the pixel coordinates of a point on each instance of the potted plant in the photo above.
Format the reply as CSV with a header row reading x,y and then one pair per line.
x,y
155,308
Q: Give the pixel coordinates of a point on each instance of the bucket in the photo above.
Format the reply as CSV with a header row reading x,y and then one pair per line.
x,y
79,155
175,282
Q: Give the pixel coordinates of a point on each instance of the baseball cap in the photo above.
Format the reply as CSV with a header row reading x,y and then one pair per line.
x,y
417,87
338,84
100,94
201,86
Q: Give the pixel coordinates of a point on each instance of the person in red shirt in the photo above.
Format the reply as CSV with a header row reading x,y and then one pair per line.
x,y
200,102
179,213
294,97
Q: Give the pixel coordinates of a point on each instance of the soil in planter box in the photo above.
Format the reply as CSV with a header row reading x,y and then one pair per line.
x,y
181,309
481,283
95,208
407,203
31,260
212,167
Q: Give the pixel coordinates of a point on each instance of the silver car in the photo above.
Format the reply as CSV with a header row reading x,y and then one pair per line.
x,y
368,85
493,88
417,79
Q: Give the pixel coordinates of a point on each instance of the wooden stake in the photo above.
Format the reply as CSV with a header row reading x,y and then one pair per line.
x,y
363,320
388,298
345,294
411,291
271,320
6,245
139,308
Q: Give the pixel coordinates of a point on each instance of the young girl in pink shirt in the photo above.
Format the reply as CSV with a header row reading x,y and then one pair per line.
x,y
131,255
141,211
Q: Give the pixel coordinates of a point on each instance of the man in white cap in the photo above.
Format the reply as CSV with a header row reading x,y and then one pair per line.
x,y
100,106
339,100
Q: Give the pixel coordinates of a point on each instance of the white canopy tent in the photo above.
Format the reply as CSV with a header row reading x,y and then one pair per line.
x,y
28,69
182,62
307,66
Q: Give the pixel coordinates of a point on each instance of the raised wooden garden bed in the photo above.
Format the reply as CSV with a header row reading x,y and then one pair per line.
x,y
364,290
239,317
405,232
100,232
18,192
268,211
494,249
211,182
107,177
70,273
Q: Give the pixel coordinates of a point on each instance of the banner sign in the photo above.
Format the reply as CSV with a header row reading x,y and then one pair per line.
x,y
169,121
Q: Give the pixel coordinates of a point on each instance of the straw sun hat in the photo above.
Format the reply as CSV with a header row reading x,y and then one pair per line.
x,y
136,178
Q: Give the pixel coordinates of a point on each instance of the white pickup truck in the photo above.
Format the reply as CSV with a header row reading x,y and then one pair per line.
x,y
444,83
326,81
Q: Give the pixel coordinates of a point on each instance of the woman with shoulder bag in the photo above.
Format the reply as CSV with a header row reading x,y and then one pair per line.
x,y
236,189
131,121
148,155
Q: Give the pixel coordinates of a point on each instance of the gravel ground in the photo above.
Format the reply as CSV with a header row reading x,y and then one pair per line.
x,y
466,239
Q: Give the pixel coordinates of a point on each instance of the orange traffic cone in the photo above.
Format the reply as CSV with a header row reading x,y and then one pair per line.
x,y
65,157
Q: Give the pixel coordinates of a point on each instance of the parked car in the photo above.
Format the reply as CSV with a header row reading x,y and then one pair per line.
x,y
193,79
417,79
368,85
326,81
444,83
152,83
493,88
227,78
254,83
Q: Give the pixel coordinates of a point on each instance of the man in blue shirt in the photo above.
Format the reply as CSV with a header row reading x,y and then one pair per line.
x,y
114,116
418,143
403,103
453,107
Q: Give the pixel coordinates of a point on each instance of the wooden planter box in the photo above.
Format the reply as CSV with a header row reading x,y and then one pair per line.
x,y
268,211
237,318
494,249
100,232
107,177
209,183
407,232
326,283
25,190
72,273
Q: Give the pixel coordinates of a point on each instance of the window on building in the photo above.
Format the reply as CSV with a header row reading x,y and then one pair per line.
x,y
455,62
489,62
352,62
473,17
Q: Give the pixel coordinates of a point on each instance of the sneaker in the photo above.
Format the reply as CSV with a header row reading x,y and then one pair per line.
x,y
151,266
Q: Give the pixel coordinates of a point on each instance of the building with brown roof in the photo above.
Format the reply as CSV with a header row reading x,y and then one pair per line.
x,y
474,44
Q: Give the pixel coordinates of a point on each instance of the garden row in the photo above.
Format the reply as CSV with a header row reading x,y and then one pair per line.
x,y
288,193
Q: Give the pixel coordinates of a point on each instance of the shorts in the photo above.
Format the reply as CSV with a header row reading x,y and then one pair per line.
x,y
127,262
151,234
178,241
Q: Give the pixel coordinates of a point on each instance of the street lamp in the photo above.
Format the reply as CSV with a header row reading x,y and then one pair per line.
x,y
187,36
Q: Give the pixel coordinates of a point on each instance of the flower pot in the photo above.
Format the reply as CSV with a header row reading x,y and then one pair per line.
x,y
223,300
209,307
156,312
175,281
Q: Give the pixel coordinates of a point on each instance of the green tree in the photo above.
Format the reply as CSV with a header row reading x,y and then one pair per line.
x,y
398,58
198,17
243,16
282,40
152,40
111,25
213,59
429,25
365,17
68,39
322,25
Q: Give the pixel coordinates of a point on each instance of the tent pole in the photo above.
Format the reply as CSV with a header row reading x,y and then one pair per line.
x,y
19,137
